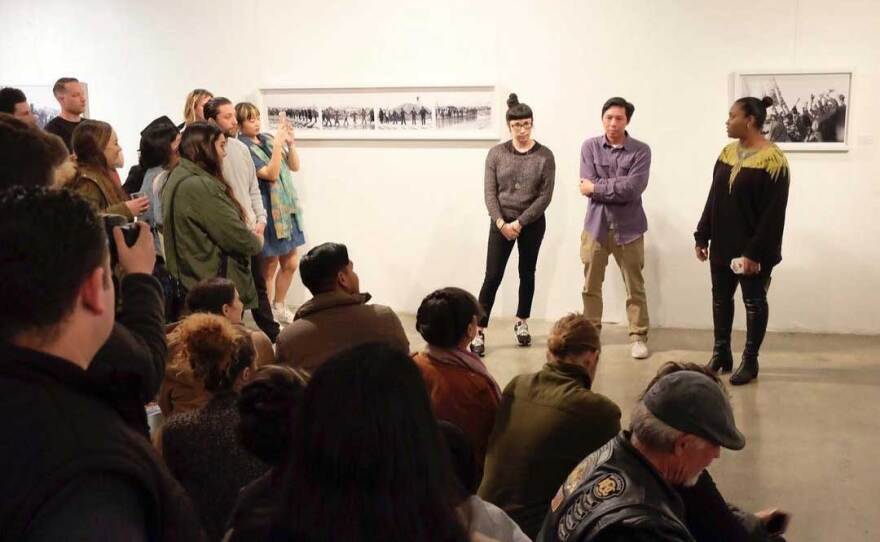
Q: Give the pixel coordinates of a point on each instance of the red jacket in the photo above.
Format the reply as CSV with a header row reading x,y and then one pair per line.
x,y
463,397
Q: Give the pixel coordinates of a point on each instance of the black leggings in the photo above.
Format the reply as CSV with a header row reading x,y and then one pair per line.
x,y
754,292
498,252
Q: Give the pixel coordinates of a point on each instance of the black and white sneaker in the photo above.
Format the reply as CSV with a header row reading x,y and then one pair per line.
x,y
521,330
478,345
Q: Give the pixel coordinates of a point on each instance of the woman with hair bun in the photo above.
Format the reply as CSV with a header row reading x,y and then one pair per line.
x,y
518,188
460,387
740,232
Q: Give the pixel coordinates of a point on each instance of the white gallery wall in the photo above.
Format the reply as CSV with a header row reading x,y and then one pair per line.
x,y
412,213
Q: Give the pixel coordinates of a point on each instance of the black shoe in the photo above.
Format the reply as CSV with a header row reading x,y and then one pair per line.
x,y
721,362
746,372
478,345
521,330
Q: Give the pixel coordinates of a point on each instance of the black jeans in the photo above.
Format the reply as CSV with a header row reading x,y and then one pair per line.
x,y
263,313
498,252
754,292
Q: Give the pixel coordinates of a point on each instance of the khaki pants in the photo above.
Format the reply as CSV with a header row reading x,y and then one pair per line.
x,y
630,259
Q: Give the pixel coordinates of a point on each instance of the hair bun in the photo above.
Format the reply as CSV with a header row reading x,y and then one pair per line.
x,y
512,100
556,343
767,101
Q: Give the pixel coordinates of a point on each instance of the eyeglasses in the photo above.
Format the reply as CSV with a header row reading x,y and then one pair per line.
x,y
527,125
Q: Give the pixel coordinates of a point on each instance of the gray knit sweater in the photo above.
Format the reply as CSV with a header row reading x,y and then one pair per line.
x,y
519,186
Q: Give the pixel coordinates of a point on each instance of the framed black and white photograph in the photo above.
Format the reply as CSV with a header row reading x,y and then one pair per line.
x,y
447,113
810,110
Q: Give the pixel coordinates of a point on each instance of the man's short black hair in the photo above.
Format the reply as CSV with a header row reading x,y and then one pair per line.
x,y
50,241
210,295
617,101
212,107
28,155
60,87
320,266
9,98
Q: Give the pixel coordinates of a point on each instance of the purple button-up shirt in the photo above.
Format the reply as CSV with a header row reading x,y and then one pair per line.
x,y
620,175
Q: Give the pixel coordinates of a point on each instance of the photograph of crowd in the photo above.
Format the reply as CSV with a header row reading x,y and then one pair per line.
x,y
348,118
408,115
304,118
385,112
464,116
808,109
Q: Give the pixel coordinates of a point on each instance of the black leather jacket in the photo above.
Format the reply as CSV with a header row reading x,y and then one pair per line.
x,y
615,493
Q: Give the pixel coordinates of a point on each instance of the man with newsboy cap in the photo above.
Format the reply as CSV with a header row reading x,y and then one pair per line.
x,y
642,484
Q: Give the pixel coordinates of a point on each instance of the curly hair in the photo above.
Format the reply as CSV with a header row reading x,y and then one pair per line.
x,y
216,350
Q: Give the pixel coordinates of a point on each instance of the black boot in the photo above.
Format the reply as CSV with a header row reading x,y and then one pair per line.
x,y
757,314
745,372
722,318
722,358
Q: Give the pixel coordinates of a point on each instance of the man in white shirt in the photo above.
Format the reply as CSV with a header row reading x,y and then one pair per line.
x,y
239,172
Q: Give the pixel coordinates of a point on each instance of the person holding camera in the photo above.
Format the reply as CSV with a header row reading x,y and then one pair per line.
x,y
131,363
743,218
74,469
205,232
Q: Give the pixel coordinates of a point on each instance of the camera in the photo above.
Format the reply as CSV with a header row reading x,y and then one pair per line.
x,y
130,233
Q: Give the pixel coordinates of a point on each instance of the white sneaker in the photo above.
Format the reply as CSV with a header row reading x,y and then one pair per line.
x,y
640,350
282,314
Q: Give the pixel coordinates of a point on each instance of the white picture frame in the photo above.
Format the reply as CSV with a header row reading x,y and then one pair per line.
x,y
812,109
384,113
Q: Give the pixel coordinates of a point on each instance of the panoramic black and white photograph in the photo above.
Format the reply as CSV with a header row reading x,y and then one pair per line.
x,y
810,110
386,112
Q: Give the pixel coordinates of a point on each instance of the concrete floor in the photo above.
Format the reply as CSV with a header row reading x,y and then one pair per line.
x,y
811,420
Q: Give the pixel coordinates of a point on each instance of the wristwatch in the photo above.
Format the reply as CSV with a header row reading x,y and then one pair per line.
x,y
499,223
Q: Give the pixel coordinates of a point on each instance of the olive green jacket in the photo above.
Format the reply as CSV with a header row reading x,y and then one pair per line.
x,y
547,423
101,191
206,237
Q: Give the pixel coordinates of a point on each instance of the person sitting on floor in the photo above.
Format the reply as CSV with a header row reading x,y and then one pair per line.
x,y
200,446
548,421
338,316
266,409
180,391
460,387
630,488
484,521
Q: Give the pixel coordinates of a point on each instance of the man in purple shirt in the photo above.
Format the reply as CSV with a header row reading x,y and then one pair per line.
x,y
614,173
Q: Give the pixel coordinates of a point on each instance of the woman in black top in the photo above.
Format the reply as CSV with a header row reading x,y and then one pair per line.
x,y
743,218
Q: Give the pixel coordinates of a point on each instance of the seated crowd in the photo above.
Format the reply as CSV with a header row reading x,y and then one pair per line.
x,y
338,431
